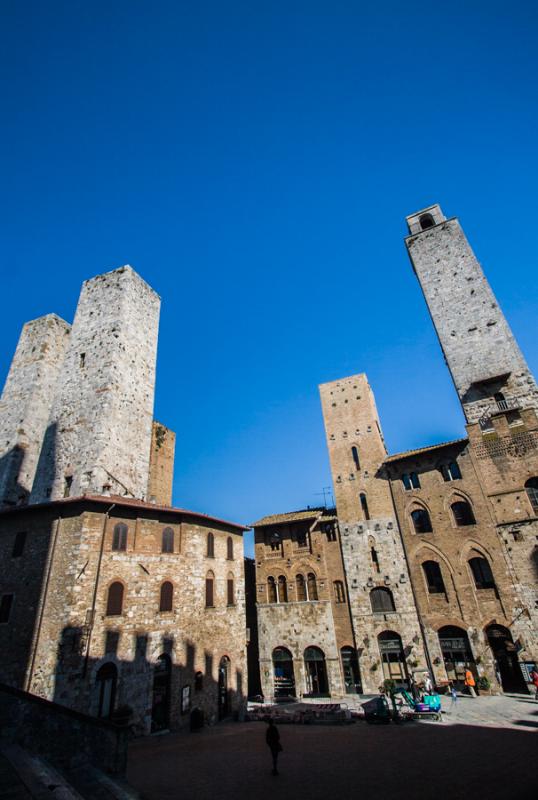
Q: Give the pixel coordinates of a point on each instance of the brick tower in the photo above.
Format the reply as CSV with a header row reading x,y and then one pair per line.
x,y
383,610
25,404
98,437
483,357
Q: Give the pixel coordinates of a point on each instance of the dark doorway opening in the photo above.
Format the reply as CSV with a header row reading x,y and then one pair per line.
x,y
350,668
160,709
107,678
224,693
505,654
393,658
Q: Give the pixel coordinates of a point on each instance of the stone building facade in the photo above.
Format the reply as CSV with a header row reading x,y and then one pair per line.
x,y
119,601
110,596
306,641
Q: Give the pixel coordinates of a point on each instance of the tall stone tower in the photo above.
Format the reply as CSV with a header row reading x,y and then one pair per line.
x,y
98,437
382,605
483,357
25,404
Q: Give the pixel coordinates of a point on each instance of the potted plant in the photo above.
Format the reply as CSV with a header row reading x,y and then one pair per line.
x,y
484,684
389,686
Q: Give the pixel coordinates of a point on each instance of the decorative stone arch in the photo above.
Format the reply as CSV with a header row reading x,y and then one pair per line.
x,y
469,546
428,548
416,504
372,541
455,496
449,622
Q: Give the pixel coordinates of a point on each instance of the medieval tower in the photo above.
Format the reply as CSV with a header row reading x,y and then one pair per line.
x,y
381,599
99,432
26,402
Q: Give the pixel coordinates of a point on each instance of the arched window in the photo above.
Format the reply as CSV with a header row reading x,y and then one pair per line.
x,y
210,590
282,589
531,487
271,589
450,472
301,587
364,505
283,673
114,603
166,602
463,513
230,548
421,521
434,577
316,672
167,543
106,680
230,593
482,574
339,592
355,456
210,545
426,221
119,539
312,586
382,600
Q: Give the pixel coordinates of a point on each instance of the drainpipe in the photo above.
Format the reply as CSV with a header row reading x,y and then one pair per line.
x,y
95,588
41,613
420,622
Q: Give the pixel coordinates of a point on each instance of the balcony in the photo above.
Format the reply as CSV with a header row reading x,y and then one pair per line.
x,y
507,404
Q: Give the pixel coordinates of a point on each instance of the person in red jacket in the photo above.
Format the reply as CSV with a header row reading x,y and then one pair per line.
x,y
534,679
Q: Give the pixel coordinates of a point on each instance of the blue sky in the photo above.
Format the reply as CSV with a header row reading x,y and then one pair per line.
x,y
255,163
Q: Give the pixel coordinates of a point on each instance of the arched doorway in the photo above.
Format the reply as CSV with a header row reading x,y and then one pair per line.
x,y
160,708
350,668
317,684
106,681
457,654
283,674
224,694
393,658
505,654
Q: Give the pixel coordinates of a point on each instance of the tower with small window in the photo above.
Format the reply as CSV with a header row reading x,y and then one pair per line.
x,y
381,600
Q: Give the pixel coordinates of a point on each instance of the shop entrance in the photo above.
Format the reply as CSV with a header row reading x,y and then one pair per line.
x,y
393,658
317,684
283,674
457,654
350,668
505,654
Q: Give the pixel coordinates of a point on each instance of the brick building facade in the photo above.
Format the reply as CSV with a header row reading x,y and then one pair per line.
x,y
109,595
438,545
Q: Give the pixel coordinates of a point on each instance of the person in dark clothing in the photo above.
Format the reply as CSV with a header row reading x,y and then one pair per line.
x,y
272,737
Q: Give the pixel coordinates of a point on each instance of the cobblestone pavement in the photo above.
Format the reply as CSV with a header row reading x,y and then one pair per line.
x,y
485,747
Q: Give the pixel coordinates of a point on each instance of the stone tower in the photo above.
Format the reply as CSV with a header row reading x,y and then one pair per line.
x,y
371,543
98,437
25,404
483,357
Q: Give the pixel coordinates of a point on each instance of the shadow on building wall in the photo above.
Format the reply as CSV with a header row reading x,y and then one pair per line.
x,y
12,492
253,651
164,690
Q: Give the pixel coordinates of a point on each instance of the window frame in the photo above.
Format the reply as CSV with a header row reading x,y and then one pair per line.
x,y
435,583
425,514
382,591
120,537
19,544
109,612
170,597
463,503
6,601
167,540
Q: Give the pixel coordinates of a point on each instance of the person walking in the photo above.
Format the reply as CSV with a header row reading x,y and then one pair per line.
x,y
534,679
454,697
470,682
272,737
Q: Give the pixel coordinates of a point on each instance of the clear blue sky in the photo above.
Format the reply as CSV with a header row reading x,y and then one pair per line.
x,y
255,162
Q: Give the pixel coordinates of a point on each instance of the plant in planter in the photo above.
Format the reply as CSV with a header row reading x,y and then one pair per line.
x,y
389,686
484,683
374,666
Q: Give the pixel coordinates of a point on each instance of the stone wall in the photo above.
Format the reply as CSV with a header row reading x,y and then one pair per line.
x,y
475,337
161,465
25,404
64,737
98,436
75,636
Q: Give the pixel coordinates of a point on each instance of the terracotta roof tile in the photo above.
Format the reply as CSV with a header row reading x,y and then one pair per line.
x,y
408,453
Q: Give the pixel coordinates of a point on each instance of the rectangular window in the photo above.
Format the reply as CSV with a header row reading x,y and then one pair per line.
x,y
209,593
68,482
230,586
18,546
5,607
